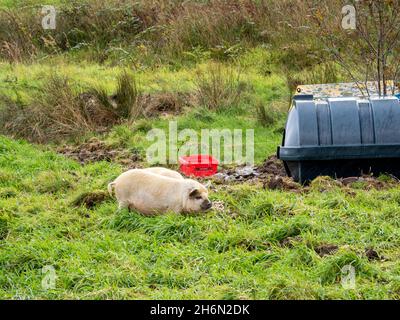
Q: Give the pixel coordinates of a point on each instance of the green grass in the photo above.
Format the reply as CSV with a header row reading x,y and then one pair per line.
x,y
26,78
22,81
98,253
262,245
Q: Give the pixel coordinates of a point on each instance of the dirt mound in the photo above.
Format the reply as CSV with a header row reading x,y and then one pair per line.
x,y
239,174
372,255
90,199
273,176
370,182
326,249
271,167
96,150
281,183
164,103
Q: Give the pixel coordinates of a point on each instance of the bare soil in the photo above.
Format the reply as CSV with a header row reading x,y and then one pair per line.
x,y
96,150
326,249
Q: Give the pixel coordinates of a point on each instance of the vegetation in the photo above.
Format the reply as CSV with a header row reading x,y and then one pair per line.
x,y
262,245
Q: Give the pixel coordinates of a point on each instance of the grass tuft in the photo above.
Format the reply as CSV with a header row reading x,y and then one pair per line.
x,y
127,97
218,88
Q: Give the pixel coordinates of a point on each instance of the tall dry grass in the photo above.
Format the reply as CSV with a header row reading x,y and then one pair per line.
x,y
218,87
128,97
55,113
169,28
59,112
218,26
95,24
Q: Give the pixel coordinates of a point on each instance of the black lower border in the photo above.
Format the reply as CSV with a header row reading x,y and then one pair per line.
x,y
198,309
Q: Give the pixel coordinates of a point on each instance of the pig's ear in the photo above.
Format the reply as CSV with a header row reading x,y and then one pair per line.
x,y
194,193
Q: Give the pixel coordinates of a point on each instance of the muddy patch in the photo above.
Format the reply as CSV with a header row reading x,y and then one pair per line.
x,y
372,255
96,150
271,174
271,167
326,249
351,184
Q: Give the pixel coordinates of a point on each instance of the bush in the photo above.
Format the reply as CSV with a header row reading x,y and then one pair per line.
x,y
218,87
56,112
127,97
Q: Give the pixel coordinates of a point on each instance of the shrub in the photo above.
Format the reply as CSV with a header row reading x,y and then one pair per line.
x,y
128,97
56,112
218,87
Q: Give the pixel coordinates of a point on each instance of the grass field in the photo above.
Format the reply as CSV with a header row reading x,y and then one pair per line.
x,y
261,246
257,243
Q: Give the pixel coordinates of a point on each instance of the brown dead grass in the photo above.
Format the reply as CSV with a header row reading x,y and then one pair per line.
x,y
165,103
223,28
55,113
58,112
218,87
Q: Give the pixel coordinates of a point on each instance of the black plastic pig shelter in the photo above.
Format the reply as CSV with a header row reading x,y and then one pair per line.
x,y
341,137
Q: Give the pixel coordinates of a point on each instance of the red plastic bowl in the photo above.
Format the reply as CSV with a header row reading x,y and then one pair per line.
x,y
199,165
